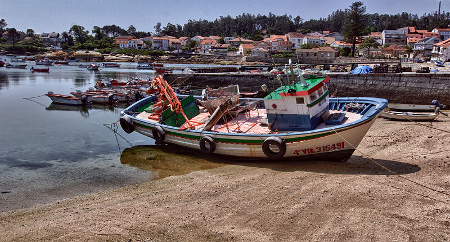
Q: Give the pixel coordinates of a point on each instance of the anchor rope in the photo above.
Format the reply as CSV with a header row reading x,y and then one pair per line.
x,y
31,99
115,127
395,173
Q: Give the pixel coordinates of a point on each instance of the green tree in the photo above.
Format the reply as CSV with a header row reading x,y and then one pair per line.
x,y
355,24
113,30
131,30
308,46
2,25
99,32
13,35
30,33
80,35
158,28
369,43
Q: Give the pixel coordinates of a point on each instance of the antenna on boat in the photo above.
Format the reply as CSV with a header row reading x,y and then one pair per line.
x,y
301,77
280,78
292,73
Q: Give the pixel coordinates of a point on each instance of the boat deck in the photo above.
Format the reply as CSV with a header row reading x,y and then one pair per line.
x,y
248,122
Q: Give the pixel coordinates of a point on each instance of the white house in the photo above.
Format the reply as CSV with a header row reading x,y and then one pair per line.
x,y
441,51
444,33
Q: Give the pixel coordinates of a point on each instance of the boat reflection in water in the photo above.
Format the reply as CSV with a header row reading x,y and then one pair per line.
x,y
168,160
84,110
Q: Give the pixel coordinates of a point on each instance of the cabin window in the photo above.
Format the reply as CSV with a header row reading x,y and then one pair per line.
x,y
300,100
313,96
325,88
320,91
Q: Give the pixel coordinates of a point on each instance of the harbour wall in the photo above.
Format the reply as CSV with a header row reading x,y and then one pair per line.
x,y
417,88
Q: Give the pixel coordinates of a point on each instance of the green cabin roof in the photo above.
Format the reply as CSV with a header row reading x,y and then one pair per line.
x,y
297,88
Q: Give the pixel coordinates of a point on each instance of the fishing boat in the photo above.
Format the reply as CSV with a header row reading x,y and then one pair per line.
x,y
46,62
67,99
92,67
297,120
409,116
149,66
18,66
2,63
111,65
34,69
61,62
120,95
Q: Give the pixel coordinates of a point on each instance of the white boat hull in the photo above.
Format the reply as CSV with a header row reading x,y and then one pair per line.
x,y
411,107
328,141
409,116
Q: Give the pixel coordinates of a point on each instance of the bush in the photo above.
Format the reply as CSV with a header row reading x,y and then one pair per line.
x,y
285,55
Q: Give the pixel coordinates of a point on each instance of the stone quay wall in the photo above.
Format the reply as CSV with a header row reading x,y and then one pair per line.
x,y
417,88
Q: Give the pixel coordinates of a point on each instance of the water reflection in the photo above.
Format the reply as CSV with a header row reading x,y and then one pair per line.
x,y
84,110
168,160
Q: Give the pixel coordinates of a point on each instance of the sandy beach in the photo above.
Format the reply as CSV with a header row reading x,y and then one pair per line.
x,y
395,187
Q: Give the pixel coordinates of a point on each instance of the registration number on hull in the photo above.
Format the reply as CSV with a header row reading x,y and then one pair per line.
x,y
320,149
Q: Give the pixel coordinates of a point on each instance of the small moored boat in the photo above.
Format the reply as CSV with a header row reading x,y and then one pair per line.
x,y
92,67
46,62
111,65
18,66
409,116
67,99
411,107
34,69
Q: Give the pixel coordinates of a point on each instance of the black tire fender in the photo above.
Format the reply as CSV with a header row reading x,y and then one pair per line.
x,y
274,141
207,140
127,124
158,134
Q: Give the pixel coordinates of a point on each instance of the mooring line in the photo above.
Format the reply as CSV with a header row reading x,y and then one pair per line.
x,y
31,99
398,175
114,127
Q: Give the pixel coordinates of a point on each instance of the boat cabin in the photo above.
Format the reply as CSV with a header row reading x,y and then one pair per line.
x,y
298,107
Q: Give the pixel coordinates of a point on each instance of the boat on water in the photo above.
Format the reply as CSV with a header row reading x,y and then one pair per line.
x,y
46,62
297,120
149,66
18,66
68,100
120,95
111,65
34,69
409,116
62,62
92,67
2,63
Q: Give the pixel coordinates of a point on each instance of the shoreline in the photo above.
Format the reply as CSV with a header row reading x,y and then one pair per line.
x,y
266,201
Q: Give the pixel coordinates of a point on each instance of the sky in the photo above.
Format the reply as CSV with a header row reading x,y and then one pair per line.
x,y
60,15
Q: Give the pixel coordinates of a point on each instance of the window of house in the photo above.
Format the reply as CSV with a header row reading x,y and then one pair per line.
x,y
300,100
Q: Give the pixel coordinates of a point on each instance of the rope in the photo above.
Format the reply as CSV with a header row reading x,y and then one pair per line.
x,y
398,175
30,99
114,127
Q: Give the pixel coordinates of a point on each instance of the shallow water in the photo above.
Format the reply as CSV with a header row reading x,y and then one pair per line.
x,y
48,151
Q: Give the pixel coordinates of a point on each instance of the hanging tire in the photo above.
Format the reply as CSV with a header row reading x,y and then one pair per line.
x,y
207,145
274,147
126,124
158,134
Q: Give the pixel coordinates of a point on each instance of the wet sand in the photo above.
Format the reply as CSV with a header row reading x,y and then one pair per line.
x,y
396,187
